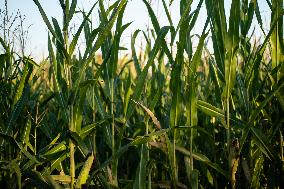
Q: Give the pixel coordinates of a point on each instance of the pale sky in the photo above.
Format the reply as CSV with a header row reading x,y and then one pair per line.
x,y
136,11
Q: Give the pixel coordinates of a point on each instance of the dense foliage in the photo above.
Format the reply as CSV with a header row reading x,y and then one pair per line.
x,y
172,116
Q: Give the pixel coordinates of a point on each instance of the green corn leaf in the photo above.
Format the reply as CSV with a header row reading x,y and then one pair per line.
x,y
167,13
210,177
142,77
57,86
54,141
257,172
61,178
183,19
210,110
88,82
261,142
188,168
55,164
78,141
72,10
83,176
46,100
3,43
115,53
87,130
3,58
140,179
44,17
269,4
51,30
78,110
154,19
202,158
103,34
147,138
31,62
57,30
216,14
191,105
258,16
16,112
195,16
194,178
234,23
157,28
127,94
38,179
77,34
134,56
231,44
215,74
23,82
14,167
248,12
154,103
230,73
108,161
103,11
52,182
25,133
176,95
257,111
99,103
277,46
111,7
12,141
276,89
87,27
55,151
257,59
136,142
170,152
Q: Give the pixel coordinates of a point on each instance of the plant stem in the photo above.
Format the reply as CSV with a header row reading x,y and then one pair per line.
x,y
174,156
115,160
69,82
191,150
228,134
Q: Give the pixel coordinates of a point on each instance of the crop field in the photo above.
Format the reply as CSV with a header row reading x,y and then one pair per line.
x,y
176,114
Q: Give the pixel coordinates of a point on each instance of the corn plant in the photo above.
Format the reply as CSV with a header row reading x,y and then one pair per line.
x,y
177,114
